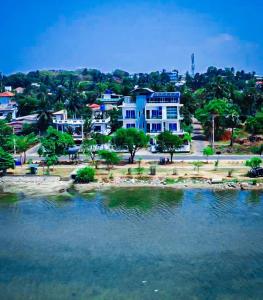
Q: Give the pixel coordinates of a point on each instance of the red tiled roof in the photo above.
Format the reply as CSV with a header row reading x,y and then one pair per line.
x,y
7,94
94,106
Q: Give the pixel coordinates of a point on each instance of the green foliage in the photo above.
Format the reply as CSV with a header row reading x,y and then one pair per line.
x,y
55,142
23,143
254,162
257,149
170,181
6,161
101,139
85,175
5,135
254,124
131,139
208,151
197,165
169,142
109,157
89,148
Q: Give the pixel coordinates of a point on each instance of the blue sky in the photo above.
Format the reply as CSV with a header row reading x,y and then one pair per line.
x,y
137,36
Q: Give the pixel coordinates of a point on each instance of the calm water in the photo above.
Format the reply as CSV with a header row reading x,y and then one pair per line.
x,y
133,244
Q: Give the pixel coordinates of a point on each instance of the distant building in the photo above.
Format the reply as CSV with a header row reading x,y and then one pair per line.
x,y
8,88
100,120
64,124
35,84
152,112
19,122
173,75
7,105
19,90
110,98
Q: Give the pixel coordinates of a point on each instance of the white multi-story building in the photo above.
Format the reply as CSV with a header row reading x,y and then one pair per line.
x,y
100,120
152,112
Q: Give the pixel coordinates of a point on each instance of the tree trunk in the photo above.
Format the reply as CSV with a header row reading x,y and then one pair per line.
x,y
232,138
171,154
132,157
25,157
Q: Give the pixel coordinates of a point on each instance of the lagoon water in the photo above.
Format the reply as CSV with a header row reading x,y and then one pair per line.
x,y
133,244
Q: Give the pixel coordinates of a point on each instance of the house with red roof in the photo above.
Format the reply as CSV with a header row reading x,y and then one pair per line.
x,y
100,119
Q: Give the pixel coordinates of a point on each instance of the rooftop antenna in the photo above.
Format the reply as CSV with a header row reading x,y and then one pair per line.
x,y
193,65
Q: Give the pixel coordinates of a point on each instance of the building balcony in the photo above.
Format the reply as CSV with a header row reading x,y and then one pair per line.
x,y
100,120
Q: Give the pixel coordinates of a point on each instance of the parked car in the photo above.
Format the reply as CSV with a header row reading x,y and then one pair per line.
x,y
256,172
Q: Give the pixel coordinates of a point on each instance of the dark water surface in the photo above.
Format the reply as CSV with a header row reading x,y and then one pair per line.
x,y
133,244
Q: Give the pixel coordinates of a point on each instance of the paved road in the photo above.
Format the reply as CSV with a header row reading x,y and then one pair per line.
x,y
199,141
146,155
177,157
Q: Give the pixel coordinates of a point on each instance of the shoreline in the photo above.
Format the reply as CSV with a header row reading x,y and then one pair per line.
x,y
54,185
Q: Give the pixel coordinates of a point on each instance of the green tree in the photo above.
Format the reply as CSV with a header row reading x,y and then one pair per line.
x,y
197,165
254,162
23,143
6,161
169,142
89,148
6,133
54,144
131,139
110,157
208,151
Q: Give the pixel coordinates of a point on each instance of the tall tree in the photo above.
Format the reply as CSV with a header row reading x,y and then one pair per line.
x,y
131,139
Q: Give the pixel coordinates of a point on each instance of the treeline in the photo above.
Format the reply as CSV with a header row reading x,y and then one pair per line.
x,y
57,89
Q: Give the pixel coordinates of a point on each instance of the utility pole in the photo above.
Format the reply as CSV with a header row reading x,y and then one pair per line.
x,y
213,132
14,141
193,65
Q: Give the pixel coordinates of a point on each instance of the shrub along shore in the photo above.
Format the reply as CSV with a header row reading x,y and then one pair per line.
x,y
181,175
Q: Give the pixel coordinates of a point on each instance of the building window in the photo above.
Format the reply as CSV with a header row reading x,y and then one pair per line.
x,y
130,125
173,127
130,114
171,112
157,113
156,127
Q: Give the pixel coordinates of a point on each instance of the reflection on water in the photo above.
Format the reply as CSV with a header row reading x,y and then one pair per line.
x,y
133,244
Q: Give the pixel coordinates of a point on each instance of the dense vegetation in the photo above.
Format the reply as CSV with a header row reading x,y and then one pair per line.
x,y
47,91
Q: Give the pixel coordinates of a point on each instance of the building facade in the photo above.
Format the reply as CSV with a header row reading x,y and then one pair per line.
x,y
7,105
100,120
152,112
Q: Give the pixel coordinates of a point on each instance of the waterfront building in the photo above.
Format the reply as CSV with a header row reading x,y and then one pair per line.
x,y
7,105
153,112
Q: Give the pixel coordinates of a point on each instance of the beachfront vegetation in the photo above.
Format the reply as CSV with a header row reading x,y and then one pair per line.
x,y
254,162
6,161
110,158
169,142
54,144
85,175
208,151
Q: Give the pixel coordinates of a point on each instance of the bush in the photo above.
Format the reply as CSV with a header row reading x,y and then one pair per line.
x,y
170,181
254,162
85,175
139,170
